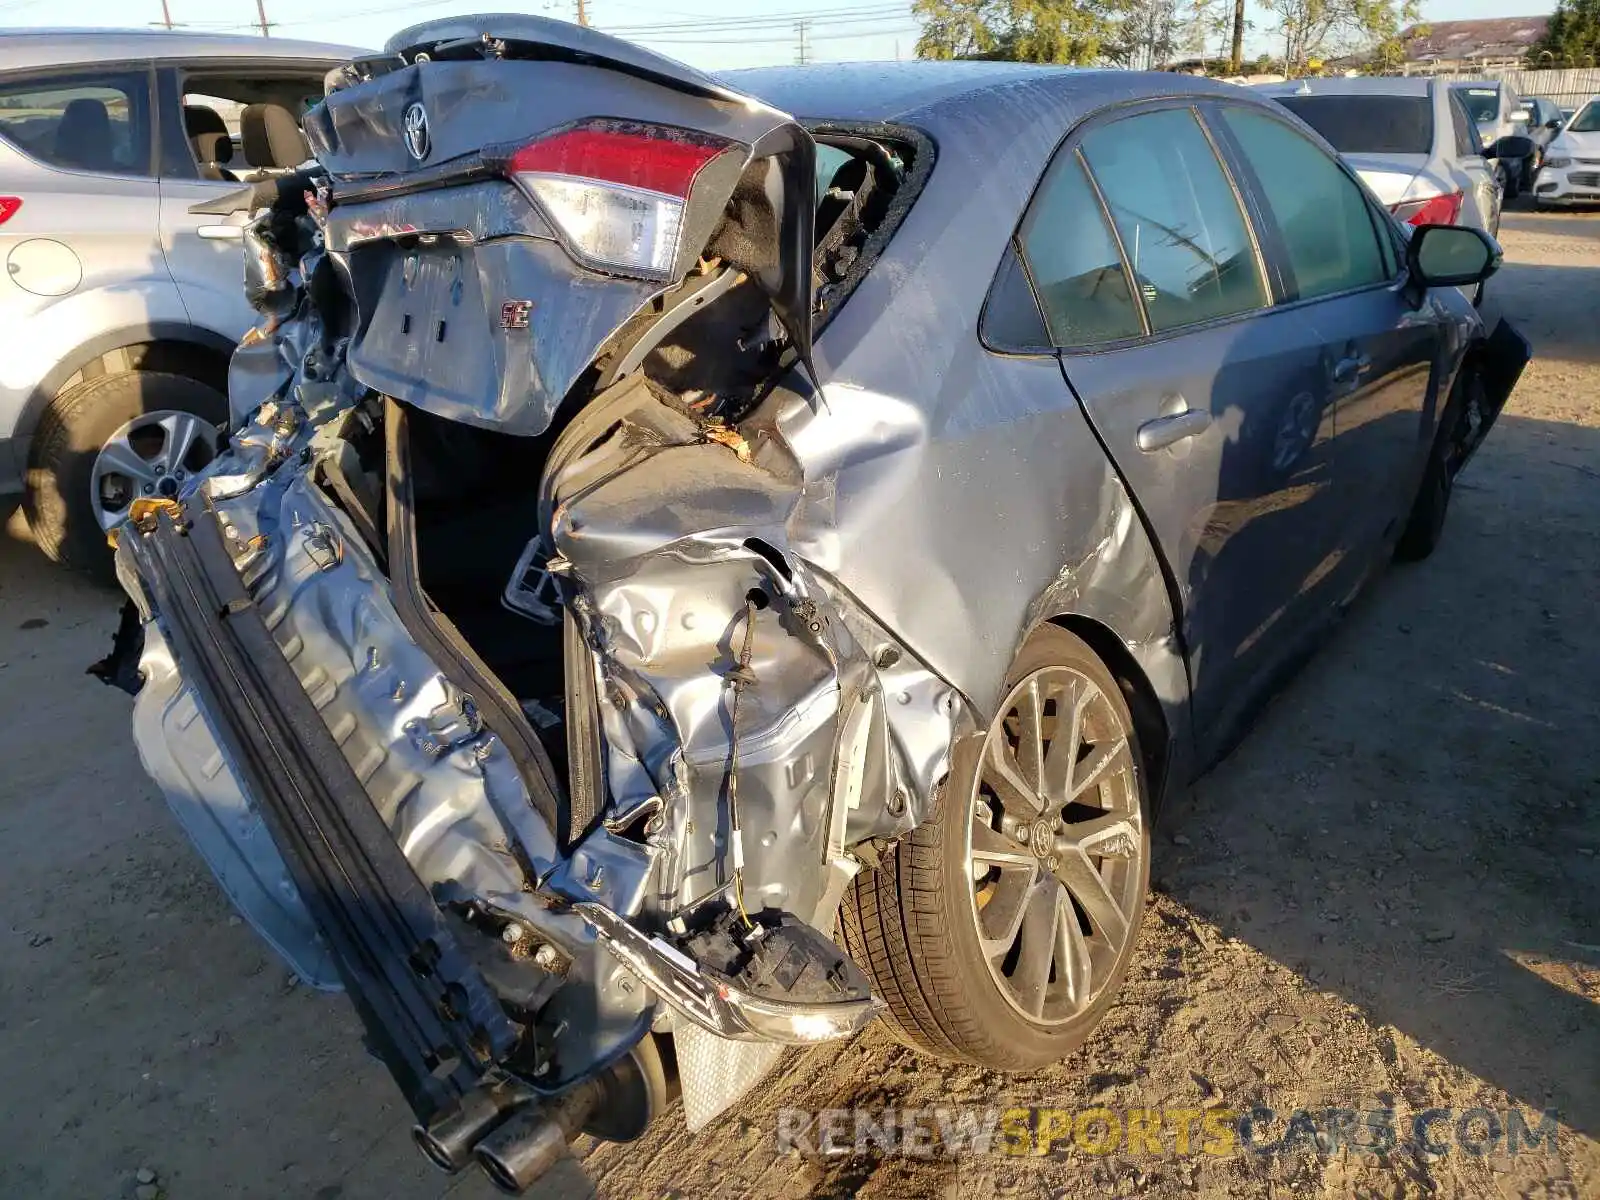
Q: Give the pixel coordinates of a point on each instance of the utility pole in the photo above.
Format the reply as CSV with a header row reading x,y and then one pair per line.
x,y
583,14
1236,62
166,14
802,54
261,11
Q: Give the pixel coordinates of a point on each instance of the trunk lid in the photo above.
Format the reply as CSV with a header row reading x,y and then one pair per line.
x,y
1390,176
517,188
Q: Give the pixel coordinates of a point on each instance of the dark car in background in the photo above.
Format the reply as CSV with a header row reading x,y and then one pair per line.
x,y
710,560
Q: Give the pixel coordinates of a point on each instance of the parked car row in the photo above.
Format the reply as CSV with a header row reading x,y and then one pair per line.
x,y
1571,170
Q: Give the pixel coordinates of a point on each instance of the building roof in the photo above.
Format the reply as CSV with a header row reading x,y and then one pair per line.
x,y
1494,37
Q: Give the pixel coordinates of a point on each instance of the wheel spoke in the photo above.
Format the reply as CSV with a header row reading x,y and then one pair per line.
x,y
1041,923
1074,968
1016,793
1101,759
119,458
1030,734
181,430
1083,880
1064,746
1113,835
1001,917
992,848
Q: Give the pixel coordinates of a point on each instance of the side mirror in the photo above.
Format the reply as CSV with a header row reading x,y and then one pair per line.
x,y
1555,123
1451,256
1513,145
1520,115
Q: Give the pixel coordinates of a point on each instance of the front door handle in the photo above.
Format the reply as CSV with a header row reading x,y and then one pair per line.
x,y
1170,430
220,233
1348,369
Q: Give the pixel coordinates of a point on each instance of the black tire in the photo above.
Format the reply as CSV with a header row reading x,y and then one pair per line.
x,y
69,437
909,924
1425,524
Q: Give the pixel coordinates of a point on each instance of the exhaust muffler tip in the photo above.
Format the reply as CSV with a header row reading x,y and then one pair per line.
x,y
447,1142
534,1139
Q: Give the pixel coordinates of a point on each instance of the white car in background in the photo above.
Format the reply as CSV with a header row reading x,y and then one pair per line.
x,y
1413,143
119,306
1571,171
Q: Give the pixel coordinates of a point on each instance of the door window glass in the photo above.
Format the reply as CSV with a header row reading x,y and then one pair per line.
x,y
1322,213
1467,144
1073,260
1179,221
81,123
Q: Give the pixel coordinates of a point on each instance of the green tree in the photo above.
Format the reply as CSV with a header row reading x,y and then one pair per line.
x,y
1043,31
1573,35
1320,28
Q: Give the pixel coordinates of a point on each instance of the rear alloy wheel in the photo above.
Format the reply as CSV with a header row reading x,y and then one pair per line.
x,y
999,930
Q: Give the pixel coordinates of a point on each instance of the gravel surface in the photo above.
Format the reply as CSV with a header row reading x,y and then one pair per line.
x,y
1389,896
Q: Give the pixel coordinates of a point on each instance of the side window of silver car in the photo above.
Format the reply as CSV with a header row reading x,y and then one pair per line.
x,y
89,122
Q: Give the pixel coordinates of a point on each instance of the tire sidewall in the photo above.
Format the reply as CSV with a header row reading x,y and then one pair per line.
x,y
71,434
1029,1044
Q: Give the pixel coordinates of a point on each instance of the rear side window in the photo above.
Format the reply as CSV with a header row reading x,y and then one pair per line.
x,y
1072,257
1368,124
1322,214
91,122
1177,217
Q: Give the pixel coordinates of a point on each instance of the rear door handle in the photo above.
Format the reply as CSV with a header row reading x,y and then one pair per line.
x,y
1348,369
220,233
1170,430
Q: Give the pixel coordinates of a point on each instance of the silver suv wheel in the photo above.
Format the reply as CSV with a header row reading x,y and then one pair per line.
x,y
149,456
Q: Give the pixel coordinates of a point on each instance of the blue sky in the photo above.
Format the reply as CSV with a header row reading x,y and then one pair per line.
x,y
686,29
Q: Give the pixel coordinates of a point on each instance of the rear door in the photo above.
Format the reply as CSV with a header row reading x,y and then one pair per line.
x,y
1210,400
1474,175
1342,274
205,253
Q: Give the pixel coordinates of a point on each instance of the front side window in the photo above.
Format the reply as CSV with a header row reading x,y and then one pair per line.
x,y
81,123
1177,216
1073,261
1322,213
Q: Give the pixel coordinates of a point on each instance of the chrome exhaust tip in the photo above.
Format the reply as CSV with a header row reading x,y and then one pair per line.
x,y
447,1142
534,1139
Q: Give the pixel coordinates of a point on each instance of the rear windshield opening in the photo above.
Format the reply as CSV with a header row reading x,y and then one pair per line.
x,y
1368,124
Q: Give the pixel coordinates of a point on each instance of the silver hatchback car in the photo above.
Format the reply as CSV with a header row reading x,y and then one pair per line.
x,y
119,308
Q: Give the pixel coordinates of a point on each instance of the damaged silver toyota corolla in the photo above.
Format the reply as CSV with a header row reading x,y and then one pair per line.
x,y
665,541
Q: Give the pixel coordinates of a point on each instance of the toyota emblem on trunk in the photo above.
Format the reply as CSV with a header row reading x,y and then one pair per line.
x,y
415,123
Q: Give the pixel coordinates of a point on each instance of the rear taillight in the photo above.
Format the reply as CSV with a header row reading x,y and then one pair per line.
x,y
1435,210
617,193
8,207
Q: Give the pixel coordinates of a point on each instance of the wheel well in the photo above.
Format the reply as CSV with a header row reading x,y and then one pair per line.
x,y
1150,723
204,364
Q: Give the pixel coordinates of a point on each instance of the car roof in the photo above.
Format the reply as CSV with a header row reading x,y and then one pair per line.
x,y
22,49
1381,85
888,91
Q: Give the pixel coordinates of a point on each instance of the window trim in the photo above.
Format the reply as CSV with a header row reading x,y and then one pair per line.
x,y
1071,142
131,66
1379,218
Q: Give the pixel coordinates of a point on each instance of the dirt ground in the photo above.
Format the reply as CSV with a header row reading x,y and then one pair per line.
x,y
1388,897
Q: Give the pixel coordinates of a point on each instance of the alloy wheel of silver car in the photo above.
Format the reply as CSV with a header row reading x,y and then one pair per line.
x,y
1053,844
150,456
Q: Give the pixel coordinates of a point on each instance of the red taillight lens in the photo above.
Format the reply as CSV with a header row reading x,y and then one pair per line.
x,y
617,195
1435,210
8,207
